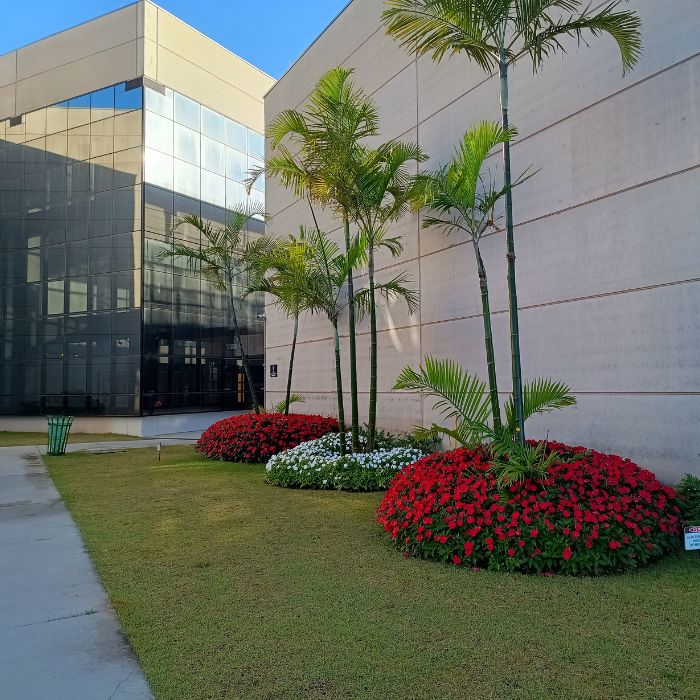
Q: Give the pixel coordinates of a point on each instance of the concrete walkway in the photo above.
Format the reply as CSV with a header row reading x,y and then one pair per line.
x,y
59,638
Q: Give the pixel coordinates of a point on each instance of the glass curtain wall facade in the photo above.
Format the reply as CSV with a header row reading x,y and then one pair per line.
x,y
92,321
195,163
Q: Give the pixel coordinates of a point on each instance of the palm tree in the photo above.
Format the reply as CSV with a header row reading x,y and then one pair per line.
x,y
384,190
497,34
464,201
326,137
281,272
322,292
461,398
323,287
224,258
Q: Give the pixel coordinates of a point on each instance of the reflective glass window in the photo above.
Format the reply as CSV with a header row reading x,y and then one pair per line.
x,y
35,124
77,295
187,112
213,156
187,178
125,100
255,165
256,144
187,144
102,104
213,188
102,137
159,133
78,111
155,101
54,298
236,196
159,169
57,118
213,124
236,135
236,165
127,131
79,142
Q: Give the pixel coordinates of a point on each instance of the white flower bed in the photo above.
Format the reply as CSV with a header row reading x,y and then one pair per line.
x,y
317,464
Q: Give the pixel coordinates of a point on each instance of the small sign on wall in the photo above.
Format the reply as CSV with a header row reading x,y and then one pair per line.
x,y
273,370
692,537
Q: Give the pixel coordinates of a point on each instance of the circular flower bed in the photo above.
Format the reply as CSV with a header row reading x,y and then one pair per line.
x,y
256,437
319,465
593,514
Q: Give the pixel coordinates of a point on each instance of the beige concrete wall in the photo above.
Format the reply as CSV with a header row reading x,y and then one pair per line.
x,y
79,60
182,58
140,39
606,234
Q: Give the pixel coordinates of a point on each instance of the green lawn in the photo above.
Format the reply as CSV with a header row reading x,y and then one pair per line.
x,y
12,439
230,588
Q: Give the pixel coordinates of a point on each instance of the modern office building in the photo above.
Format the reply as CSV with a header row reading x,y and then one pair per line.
x,y
607,234
108,132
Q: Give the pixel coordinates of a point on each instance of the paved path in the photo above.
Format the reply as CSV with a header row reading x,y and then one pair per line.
x,y
59,638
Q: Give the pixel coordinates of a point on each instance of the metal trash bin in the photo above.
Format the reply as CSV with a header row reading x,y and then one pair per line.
x,y
59,427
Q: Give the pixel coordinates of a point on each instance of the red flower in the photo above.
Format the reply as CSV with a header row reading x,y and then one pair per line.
x,y
567,553
456,560
256,437
511,552
468,548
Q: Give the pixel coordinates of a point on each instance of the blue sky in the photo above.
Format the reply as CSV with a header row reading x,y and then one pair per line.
x,y
269,33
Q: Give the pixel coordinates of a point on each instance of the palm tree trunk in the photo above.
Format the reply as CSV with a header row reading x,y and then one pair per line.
x,y
354,409
291,365
372,418
488,340
510,255
339,386
244,357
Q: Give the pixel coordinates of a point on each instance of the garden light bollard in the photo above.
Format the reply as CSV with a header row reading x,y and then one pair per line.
x,y
59,427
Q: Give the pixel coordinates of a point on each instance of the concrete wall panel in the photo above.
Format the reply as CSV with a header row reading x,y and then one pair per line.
x,y
78,43
83,75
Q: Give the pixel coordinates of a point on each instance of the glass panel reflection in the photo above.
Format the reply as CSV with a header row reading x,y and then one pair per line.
x,y
70,222
76,226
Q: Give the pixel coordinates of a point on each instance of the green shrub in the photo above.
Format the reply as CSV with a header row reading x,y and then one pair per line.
x,y
688,495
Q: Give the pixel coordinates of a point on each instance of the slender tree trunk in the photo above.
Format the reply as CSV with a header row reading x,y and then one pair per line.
x,y
291,365
488,339
372,419
244,357
354,409
510,255
339,387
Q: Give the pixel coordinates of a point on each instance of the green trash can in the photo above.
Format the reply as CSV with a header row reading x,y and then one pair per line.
x,y
59,427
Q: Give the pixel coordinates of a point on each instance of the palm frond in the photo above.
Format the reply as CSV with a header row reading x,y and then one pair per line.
x,y
460,396
542,34
283,405
446,27
541,396
286,123
392,290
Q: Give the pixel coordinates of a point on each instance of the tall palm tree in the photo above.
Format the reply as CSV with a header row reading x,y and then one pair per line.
x,y
497,34
326,138
384,190
322,292
282,272
464,202
224,259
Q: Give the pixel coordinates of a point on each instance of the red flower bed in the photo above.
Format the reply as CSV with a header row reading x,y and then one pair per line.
x,y
593,514
255,438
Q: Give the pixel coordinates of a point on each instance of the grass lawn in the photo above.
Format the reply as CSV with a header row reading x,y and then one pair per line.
x,y
12,439
230,588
